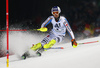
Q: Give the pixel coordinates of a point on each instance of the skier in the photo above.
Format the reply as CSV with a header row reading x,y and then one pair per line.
x,y
60,25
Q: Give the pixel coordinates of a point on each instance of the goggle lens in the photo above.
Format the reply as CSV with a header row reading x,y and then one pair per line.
x,y
55,13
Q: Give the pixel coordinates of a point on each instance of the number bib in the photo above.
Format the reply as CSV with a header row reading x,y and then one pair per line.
x,y
58,26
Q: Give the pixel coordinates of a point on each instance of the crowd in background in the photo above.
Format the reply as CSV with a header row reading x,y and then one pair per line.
x,y
84,17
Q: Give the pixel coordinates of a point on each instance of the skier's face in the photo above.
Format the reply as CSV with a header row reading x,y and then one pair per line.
x,y
56,14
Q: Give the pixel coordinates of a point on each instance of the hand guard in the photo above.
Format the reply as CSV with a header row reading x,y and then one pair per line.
x,y
74,43
43,29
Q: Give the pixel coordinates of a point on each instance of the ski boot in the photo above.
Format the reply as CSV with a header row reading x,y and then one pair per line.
x,y
37,48
49,45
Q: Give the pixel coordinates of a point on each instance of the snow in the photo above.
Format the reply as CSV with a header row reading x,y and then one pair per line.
x,y
84,56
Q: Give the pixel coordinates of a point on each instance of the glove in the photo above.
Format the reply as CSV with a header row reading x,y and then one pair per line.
x,y
74,43
43,29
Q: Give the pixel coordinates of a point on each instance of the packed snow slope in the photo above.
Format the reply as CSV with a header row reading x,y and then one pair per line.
x,y
84,56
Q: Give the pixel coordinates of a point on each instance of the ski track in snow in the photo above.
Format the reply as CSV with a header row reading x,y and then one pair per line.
x,y
84,56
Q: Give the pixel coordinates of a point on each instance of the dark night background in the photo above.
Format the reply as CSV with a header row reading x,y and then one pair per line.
x,y
31,13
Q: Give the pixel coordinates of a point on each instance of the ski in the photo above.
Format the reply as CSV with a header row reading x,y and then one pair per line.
x,y
37,54
55,48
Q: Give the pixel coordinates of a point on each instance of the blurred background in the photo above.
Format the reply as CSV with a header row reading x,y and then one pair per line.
x,y
83,15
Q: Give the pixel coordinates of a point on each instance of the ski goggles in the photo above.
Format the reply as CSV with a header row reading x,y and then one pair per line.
x,y
55,12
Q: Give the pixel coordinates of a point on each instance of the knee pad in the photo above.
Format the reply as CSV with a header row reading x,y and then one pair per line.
x,y
50,44
36,46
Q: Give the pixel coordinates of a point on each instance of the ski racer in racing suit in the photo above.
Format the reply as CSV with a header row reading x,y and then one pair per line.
x,y
60,25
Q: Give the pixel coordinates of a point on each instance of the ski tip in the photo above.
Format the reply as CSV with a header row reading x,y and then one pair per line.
x,y
23,57
38,53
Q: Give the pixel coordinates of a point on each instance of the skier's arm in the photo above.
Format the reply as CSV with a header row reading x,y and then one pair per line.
x,y
69,30
46,22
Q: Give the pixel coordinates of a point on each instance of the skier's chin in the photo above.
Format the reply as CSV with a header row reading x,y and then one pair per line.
x,y
56,16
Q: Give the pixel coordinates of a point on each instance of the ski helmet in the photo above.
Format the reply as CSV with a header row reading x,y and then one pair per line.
x,y
55,8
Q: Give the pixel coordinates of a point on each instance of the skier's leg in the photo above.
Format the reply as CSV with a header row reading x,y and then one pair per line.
x,y
53,41
50,44
41,44
46,43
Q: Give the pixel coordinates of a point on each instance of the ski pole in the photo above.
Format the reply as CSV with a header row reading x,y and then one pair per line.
x,y
87,42
54,48
33,30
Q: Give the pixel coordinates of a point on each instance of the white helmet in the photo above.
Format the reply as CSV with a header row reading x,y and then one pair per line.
x,y
55,8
